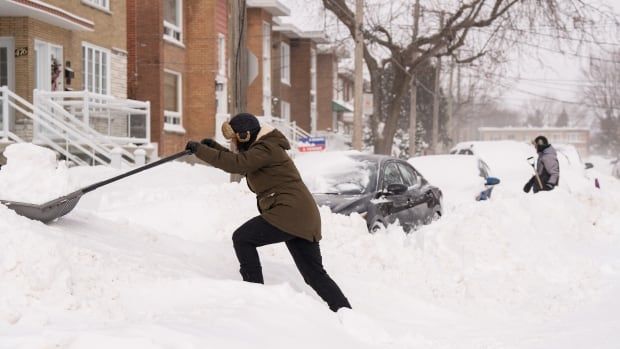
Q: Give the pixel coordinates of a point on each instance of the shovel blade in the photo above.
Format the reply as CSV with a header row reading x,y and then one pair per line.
x,y
48,211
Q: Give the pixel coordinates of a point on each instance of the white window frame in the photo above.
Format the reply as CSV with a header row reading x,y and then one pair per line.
x,y
313,96
85,82
221,55
266,68
168,126
285,110
172,30
285,63
98,4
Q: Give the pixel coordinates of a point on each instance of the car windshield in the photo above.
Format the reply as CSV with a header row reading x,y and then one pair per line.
x,y
338,174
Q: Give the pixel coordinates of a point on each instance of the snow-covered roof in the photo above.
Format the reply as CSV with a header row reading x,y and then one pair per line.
x,y
275,7
292,31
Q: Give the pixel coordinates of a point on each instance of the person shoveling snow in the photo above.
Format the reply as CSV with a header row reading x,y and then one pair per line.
x,y
547,170
288,212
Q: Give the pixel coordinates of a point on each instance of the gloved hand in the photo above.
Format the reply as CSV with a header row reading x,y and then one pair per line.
x,y
549,186
528,185
209,143
192,146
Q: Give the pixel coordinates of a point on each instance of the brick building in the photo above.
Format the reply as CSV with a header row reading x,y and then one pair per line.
x,y
177,61
577,137
294,83
42,42
327,80
261,16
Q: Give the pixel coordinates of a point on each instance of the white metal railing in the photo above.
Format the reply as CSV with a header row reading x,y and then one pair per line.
x,y
118,121
105,144
55,133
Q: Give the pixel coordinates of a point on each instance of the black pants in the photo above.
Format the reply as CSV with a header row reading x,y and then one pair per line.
x,y
307,256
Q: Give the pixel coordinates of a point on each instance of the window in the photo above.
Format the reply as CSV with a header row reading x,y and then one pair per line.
x,y
313,106
285,112
285,63
173,20
102,4
95,69
391,175
340,90
221,55
408,175
173,101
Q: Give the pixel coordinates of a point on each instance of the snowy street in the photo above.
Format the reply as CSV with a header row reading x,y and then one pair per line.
x,y
310,174
148,263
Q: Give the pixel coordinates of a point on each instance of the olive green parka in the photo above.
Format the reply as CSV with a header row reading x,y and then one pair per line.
x,y
282,198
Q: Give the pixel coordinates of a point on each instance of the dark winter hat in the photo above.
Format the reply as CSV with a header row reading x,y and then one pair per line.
x,y
244,122
541,143
244,128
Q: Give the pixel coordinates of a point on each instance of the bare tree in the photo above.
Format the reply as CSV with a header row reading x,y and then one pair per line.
x,y
602,96
496,26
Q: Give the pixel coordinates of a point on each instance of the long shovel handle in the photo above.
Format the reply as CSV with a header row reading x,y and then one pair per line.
x,y
134,171
540,185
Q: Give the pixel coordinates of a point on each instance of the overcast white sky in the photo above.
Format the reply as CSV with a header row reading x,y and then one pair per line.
x,y
539,72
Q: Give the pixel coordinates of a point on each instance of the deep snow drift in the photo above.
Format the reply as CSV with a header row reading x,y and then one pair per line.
x,y
33,175
148,263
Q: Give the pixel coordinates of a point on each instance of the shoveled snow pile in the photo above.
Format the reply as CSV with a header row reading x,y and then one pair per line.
x,y
33,175
148,263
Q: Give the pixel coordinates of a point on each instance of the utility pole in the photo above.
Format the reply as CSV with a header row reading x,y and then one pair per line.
x,y
238,55
435,134
237,52
449,124
413,112
359,76
458,103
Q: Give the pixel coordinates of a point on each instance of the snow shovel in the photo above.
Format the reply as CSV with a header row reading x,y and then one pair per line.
x,y
531,161
57,208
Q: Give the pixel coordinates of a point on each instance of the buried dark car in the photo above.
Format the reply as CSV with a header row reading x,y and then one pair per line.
x,y
381,189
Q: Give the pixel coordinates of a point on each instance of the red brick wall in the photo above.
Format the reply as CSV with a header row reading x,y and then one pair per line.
x,y
145,48
256,16
149,54
300,82
201,53
326,65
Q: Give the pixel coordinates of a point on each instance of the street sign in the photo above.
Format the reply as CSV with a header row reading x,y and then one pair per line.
x,y
308,144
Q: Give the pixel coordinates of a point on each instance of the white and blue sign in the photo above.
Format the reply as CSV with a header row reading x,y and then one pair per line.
x,y
308,144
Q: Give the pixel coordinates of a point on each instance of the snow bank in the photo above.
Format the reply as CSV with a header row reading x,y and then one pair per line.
x,y
33,175
148,262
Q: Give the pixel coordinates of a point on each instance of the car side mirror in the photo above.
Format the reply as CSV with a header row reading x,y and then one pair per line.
x,y
397,189
588,165
492,181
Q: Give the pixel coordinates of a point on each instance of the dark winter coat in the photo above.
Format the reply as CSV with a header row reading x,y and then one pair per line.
x,y
282,198
548,167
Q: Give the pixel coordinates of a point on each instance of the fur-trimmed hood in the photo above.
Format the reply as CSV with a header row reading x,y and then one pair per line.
x,y
270,134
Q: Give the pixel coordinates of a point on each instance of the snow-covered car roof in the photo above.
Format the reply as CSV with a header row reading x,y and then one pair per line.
x,y
458,176
325,172
508,159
